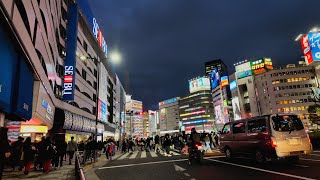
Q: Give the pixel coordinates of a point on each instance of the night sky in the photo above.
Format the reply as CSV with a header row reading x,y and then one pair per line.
x,y
164,43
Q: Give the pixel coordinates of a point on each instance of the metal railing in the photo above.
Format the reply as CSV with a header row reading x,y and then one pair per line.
x,y
79,174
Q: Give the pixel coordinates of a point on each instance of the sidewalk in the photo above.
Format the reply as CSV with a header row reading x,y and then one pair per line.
x,y
67,172
64,173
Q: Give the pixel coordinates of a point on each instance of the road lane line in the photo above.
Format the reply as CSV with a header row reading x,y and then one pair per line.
x,y
300,165
116,156
140,164
214,157
309,159
174,153
134,155
123,156
314,154
143,154
187,174
316,151
153,154
263,170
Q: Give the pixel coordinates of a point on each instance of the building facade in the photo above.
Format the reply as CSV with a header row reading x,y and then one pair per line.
x,y
64,82
286,90
169,115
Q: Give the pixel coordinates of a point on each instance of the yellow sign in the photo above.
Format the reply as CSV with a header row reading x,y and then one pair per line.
x,y
34,129
135,105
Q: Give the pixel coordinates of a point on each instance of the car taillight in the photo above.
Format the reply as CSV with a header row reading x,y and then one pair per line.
x,y
273,143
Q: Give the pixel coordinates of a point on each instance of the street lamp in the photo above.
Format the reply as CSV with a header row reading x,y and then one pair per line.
x,y
115,57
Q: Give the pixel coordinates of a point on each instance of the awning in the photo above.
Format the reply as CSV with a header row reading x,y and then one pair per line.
x,y
67,120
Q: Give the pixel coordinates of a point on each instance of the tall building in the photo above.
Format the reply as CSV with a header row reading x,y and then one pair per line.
x,y
216,64
146,131
152,123
169,115
286,90
120,112
134,118
196,109
62,91
219,81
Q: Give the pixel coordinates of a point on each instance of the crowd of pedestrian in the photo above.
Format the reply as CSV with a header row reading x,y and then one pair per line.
x,y
43,155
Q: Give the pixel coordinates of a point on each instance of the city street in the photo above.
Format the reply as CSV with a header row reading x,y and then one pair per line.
x,y
146,166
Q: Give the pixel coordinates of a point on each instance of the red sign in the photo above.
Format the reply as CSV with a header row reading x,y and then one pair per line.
x,y
306,49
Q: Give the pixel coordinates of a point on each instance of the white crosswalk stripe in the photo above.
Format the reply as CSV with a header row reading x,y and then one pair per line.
x,y
174,153
153,154
124,156
134,155
143,154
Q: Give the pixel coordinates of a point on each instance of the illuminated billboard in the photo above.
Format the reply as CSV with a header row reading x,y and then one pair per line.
x,y
261,65
169,101
199,84
218,114
215,78
224,81
243,70
233,85
236,108
311,47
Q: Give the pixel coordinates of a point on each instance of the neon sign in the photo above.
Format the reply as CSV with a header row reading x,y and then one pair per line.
x,y
98,35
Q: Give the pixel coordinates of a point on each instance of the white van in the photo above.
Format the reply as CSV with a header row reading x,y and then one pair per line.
x,y
266,137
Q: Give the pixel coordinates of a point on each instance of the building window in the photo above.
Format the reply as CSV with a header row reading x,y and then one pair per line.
x,y
84,74
85,46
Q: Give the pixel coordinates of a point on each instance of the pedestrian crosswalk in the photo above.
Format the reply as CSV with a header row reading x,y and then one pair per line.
x,y
143,154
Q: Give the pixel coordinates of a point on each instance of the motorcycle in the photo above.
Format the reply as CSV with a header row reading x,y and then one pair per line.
x,y
197,153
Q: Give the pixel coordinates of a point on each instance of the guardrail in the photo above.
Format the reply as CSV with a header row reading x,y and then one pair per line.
x,y
78,169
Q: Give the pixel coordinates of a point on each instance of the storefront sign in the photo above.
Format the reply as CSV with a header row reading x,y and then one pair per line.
x,y
70,61
34,129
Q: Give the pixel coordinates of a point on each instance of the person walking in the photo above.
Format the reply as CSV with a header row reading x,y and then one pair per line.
x,y
17,147
71,148
207,143
48,154
5,149
157,145
28,155
130,145
167,144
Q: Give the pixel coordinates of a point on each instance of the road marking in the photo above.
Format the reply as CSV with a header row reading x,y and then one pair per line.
x,y
262,170
140,164
178,168
314,154
123,156
143,154
174,153
153,154
187,174
316,151
300,165
213,157
309,159
134,155
116,156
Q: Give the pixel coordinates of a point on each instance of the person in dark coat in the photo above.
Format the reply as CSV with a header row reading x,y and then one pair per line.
x,y
28,155
5,152
16,153
48,154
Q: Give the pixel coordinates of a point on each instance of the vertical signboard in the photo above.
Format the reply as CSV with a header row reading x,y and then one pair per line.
x,y
71,47
236,108
215,78
314,41
306,49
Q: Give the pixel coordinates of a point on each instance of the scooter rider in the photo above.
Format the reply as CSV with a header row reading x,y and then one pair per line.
x,y
194,136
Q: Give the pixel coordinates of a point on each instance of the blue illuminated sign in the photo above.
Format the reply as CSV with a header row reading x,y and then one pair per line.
x,y
168,101
195,122
314,40
215,78
233,85
70,62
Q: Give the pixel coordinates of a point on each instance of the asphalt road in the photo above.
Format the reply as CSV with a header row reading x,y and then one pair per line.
x,y
147,166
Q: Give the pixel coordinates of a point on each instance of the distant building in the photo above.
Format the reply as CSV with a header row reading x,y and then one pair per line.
x,y
169,115
219,64
286,90
196,109
152,123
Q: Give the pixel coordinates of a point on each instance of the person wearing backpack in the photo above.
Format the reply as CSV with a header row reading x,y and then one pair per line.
x,y
71,148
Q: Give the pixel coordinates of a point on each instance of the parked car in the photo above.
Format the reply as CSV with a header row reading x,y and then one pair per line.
x,y
266,137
